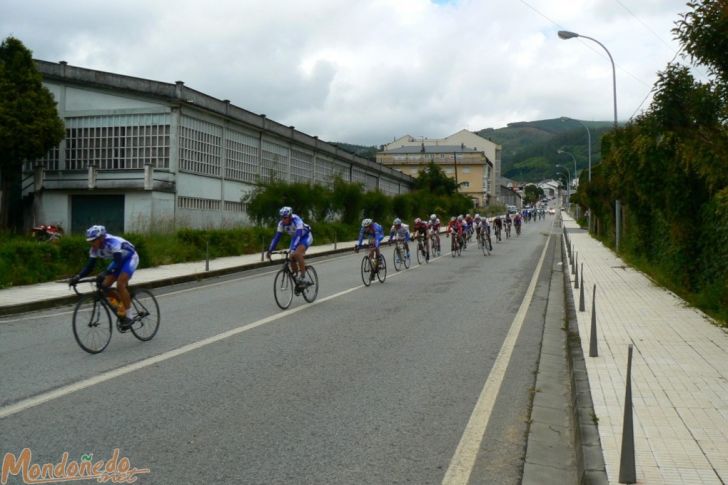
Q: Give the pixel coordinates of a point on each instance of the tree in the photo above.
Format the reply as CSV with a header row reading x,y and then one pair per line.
x,y
29,124
434,180
533,194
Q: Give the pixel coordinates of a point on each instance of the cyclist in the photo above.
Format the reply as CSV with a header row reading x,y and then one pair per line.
x,y
420,234
456,228
400,231
498,223
507,225
301,240
121,269
434,226
481,225
375,234
517,223
469,226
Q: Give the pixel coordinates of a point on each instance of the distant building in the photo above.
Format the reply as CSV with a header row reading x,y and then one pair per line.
x,y
471,160
142,155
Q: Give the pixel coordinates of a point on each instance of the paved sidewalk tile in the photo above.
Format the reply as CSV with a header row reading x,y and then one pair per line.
x,y
679,371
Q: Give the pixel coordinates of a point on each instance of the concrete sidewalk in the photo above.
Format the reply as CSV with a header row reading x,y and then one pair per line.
x,y
43,295
679,371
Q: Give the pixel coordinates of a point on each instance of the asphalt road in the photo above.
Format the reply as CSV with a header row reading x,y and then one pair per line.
x,y
366,385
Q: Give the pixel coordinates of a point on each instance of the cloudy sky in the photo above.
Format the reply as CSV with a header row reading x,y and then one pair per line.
x,y
367,71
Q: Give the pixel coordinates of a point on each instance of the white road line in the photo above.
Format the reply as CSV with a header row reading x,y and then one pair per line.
x,y
106,376
164,295
461,465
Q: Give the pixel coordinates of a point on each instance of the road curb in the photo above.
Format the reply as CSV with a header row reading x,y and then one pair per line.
x,y
65,300
589,454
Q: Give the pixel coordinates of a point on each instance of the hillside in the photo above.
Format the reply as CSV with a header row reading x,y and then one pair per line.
x,y
530,147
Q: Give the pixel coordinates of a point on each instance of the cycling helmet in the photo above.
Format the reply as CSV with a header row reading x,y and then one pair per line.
x,y
460,217
452,219
397,221
418,220
477,216
433,217
285,211
95,232
366,222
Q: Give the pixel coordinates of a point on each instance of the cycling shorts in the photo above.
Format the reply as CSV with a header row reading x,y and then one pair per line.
x,y
306,242
128,266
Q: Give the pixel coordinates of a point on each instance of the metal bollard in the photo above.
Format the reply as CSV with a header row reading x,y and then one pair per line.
x,y
334,240
627,472
207,255
576,271
581,290
573,263
593,352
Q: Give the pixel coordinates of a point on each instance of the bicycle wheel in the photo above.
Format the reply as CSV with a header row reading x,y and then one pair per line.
x,y
382,269
420,254
311,290
453,248
283,286
92,324
366,270
146,324
484,245
397,259
407,260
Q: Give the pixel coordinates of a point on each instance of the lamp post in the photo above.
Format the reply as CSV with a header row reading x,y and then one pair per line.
x,y
565,34
588,137
560,151
568,187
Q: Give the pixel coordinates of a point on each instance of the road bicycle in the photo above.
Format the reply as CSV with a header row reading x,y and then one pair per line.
x,y
401,256
369,270
92,316
285,284
518,229
508,230
422,250
435,245
456,248
484,241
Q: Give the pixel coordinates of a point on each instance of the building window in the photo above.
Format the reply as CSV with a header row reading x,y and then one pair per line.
x,y
275,161
241,157
466,169
117,142
449,170
200,147
465,185
198,203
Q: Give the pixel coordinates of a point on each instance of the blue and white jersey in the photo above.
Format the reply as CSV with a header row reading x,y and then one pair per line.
x,y
402,233
113,244
296,228
374,231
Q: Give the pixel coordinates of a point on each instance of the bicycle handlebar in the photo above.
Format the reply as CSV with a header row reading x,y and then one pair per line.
x,y
91,279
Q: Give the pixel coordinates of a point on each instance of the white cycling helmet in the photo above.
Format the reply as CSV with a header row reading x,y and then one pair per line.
x,y
452,219
285,211
477,216
366,222
418,220
460,217
397,221
433,217
95,232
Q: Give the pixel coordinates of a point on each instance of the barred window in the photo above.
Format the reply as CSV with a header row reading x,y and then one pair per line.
x,y
275,161
324,171
200,147
198,203
301,166
371,183
388,186
241,157
118,141
359,175
49,161
235,206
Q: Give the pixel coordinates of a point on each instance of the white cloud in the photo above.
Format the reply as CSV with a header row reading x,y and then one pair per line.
x,y
367,71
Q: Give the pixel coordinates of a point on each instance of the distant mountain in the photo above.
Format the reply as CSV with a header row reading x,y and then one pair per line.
x,y
530,147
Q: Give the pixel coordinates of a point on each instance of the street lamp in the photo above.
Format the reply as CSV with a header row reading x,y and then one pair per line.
x,y
568,187
560,151
565,34
588,135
